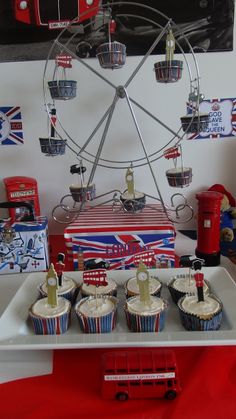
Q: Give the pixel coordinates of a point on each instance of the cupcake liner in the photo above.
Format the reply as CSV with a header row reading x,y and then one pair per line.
x,y
177,294
195,322
92,324
50,326
129,293
68,295
145,323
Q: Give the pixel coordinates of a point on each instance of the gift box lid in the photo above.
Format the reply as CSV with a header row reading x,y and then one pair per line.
x,y
40,223
104,219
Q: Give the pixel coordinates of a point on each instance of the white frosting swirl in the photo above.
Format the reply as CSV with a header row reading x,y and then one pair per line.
x,y
90,307
187,284
209,306
43,309
134,305
129,196
68,284
132,285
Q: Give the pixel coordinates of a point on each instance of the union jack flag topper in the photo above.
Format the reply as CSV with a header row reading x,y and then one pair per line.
x,y
11,131
95,277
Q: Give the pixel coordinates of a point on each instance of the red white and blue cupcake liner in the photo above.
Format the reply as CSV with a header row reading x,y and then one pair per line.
x,y
130,293
68,295
93,324
193,322
50,326
177,294
145,323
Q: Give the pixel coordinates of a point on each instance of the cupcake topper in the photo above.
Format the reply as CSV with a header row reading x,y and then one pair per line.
x,y
199,278
96,277
59,267
170,46
80,169
130,181
143,283
52,286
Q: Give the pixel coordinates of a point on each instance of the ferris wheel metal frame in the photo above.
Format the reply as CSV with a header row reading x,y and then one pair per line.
x,y
121,92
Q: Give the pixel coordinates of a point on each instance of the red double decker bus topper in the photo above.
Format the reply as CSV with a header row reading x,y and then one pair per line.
x,y
97,277
199,278
172,153
63,60
147,257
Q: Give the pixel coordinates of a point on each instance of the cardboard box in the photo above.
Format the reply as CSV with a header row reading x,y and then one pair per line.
x,y
28,251
116,237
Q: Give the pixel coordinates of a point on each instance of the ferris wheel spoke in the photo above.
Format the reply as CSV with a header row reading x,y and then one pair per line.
x,y
144,148
65,48
82,149
102,142
156,119
147,54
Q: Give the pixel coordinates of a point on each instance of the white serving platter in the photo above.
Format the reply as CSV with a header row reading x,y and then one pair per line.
x,y
16,332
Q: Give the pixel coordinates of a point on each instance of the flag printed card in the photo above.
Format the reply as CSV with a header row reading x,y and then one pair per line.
x,y
222,119
11,128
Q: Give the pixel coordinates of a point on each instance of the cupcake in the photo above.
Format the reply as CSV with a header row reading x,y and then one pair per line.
x,y
145,317
50,315
198,315
48,320
68,289
90,290
132,287
184,284
97,314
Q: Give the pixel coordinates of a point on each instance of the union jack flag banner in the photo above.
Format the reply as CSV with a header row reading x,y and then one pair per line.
x,y
11,130
119,238
222,118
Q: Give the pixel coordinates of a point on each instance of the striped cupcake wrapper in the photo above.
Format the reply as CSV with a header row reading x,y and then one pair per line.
x,y
176,294
130,294
70,295
193,322
142,323
102,324
50,326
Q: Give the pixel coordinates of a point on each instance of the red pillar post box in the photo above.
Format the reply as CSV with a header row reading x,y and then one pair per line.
x,y
22,188
208,230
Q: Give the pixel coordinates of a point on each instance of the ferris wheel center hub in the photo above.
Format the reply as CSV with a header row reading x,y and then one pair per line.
x,y
120,91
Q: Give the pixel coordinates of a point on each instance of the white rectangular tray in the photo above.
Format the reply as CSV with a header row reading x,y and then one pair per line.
x,y
16,331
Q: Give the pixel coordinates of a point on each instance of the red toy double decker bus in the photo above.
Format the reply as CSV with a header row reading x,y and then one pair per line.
x,y
140,374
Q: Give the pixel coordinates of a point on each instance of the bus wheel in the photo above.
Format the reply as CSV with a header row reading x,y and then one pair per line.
x,y
122,397
170,395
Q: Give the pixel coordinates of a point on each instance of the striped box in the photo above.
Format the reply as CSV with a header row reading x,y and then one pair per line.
x,y
116,237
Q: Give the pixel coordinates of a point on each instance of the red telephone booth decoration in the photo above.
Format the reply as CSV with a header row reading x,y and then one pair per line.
x,y
208,232
21,188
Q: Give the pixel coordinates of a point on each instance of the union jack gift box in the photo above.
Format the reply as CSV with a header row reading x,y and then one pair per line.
x,y
117,237
27,248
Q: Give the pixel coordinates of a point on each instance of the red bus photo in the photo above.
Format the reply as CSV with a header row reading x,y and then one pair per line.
x,y
55,14
140,374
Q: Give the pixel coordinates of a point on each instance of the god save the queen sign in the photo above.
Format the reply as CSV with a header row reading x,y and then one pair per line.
x,y
222,118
